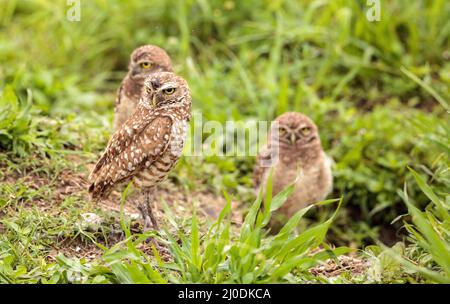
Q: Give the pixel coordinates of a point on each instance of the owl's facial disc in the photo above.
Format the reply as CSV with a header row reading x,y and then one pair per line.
x,y
300,136
164,89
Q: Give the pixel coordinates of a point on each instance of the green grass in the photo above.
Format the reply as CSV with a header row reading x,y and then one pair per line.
x,y
220,256
379,92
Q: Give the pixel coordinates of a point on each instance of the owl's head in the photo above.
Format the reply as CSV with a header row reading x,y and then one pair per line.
x,y
148,59
296,130
164,89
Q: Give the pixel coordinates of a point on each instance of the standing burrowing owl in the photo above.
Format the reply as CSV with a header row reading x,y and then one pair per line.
x,y
148,145
144,61
300,155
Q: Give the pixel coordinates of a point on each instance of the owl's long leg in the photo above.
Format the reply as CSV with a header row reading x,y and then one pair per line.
x,y
147,211
150,221
149,202
144,212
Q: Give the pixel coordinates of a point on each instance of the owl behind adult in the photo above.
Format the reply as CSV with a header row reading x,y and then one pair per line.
x,y
300,155
144,61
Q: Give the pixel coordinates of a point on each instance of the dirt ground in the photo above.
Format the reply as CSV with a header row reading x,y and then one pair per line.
x,y
70,183
344,263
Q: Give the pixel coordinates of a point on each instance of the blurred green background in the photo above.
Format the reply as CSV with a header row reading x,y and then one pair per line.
x,y
377,90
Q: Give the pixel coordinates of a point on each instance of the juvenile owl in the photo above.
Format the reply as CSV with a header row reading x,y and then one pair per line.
x,y
300,155
148,145
144,61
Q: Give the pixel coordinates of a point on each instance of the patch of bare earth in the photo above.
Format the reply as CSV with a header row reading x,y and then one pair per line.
x,y
345,263
75,248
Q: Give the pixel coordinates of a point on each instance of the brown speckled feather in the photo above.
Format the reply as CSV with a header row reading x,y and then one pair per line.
x,y
118,96
134,146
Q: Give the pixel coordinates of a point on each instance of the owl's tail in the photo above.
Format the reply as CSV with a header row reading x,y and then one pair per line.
x,y
97,192
100,188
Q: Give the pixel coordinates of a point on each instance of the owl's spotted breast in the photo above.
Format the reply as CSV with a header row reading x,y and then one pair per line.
x,y
157,172
179,133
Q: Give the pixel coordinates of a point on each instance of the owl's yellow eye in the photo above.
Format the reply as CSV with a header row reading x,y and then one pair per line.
x,y
282,131
169,91
146,65
305,131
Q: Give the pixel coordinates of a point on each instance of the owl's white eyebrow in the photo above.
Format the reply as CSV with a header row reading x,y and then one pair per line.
x,y
168,85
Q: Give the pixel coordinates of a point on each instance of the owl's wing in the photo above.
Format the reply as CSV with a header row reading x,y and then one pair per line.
x,y
119,95
121,139
133,146
259,169
117,115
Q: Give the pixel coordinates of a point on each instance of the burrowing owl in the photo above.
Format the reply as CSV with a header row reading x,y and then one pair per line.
x,y
300,155
144,61
148,145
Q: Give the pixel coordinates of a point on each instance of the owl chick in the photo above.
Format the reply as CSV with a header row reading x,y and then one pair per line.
x,y
299,156
148,145
144,60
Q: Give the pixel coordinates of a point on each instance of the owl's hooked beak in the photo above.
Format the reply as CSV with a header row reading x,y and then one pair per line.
x,y
292,138
154,100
